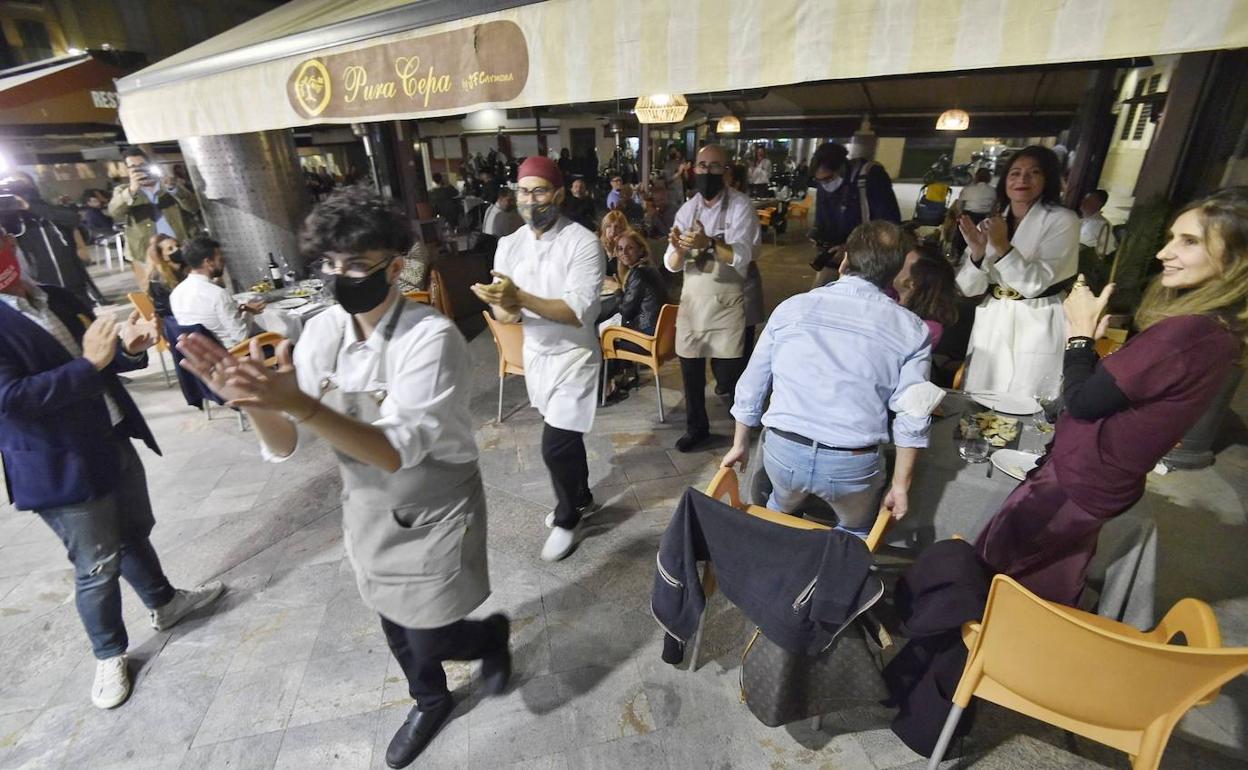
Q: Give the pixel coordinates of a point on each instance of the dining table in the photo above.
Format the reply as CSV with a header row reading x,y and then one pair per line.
x,y
287,309
950,497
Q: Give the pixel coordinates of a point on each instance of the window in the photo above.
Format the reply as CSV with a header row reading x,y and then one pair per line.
x,y
1147,109
36,43
1132,112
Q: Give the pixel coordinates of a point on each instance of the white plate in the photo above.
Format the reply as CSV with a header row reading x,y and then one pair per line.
x,y
1007,403
291,303
1014,463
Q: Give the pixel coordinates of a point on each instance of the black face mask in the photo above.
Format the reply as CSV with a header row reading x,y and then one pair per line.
x,y
176,257
709,186
359,295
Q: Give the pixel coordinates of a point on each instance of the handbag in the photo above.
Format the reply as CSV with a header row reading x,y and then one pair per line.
x,y
780,687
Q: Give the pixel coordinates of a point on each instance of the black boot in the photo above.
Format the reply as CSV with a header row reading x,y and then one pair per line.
x,y
415,734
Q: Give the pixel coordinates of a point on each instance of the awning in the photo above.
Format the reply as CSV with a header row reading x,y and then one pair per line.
x,y
346,61
64,90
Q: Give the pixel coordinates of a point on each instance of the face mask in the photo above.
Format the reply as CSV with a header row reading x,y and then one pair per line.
x,y
176,257
831,185
709,186
539,216
10,268
359,295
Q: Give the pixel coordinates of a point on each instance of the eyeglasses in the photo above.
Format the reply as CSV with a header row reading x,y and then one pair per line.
x,y
535,193
350,268
710,168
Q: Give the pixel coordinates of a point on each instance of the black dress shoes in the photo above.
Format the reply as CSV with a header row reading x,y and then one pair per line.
x,y
496,668
415,734
691,441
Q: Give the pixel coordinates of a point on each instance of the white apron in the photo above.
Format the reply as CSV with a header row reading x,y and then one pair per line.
x,y
710,321
416,537
562,382
1015,343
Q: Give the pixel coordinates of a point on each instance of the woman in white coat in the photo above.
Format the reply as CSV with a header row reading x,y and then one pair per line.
x,y
1020,259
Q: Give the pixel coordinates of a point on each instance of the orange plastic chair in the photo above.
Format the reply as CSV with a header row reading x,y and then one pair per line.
x,y
659,348
143,304
417,295
509,339
266,339
1090,675
725,487
800,211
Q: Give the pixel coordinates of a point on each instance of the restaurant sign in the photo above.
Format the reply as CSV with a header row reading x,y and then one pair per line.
x,y
479,64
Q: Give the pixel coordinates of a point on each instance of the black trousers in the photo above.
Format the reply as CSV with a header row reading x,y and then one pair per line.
x,y
420,652
693,371
564,454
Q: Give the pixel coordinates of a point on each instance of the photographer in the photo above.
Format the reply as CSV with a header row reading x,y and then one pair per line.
x,y
149,205
46,236
848,193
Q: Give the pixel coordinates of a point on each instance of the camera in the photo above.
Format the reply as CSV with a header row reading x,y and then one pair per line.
x,y
826,255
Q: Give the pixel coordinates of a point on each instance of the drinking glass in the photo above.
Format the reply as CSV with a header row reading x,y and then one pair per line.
x,y
1049,396
972,446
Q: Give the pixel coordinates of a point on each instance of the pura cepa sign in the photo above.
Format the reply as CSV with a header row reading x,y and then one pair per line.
x,y
475,65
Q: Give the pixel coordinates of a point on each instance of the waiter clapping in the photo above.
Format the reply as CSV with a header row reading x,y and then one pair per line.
x,y
549,274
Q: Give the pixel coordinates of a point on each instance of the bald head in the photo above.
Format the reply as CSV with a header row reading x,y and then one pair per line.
x,y
713,153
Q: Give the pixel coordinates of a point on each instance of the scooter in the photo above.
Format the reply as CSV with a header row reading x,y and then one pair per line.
x,y
943,170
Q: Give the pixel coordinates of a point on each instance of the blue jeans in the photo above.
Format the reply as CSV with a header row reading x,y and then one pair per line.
x,y
850,483
107,538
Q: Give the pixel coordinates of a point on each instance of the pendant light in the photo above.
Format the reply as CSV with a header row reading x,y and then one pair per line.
x,y
953,120
661,108
728,124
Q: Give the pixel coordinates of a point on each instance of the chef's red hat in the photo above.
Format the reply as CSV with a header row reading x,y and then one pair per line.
x,y
541,166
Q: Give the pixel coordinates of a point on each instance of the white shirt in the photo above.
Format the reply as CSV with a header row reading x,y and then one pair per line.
x,y
197,300
35,307
499,222
739,228
566,263
760,172
426,379
978,198
1095,231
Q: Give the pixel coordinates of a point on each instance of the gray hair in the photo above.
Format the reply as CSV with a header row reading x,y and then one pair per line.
x,y
874,252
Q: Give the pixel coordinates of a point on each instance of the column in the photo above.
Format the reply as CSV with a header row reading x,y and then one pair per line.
x,y
254,199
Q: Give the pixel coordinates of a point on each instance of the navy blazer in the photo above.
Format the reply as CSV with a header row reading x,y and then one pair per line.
x,y
56,440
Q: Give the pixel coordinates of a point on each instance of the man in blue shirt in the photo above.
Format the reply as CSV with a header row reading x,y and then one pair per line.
x,y
149,206
836,360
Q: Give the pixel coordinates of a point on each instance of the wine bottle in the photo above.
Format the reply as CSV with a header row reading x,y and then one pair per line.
x,y
275,273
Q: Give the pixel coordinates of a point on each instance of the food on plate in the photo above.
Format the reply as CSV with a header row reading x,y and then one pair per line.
x,y
262,287
998,430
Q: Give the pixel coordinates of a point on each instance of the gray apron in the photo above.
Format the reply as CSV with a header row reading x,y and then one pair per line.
x,y
416,537
710,321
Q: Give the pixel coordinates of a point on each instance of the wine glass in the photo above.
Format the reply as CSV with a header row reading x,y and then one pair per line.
x,y
1049,396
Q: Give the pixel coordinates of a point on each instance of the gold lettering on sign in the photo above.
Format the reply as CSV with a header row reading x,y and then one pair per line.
x,y
458,68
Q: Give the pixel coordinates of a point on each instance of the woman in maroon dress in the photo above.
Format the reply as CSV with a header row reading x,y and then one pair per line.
x,y
1125,412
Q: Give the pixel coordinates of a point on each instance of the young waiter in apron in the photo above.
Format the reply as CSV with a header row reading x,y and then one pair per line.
x,y
386,382
549,274
714,240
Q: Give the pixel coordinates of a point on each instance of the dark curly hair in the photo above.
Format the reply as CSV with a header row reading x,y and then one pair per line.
x,y
1049,165
354,220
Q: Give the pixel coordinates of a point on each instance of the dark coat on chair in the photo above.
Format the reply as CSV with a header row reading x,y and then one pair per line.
x,y
56,440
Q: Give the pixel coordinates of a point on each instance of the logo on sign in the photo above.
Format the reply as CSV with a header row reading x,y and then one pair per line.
x,y
482,63
312,87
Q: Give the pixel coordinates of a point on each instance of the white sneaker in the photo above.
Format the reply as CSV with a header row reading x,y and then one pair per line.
x,y
559,544
185,602
586,511
112,682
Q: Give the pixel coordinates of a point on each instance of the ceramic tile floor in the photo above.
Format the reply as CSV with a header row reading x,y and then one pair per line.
x,y
290,670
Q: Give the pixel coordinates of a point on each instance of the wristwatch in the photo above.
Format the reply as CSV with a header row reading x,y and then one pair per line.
x,y
1079,343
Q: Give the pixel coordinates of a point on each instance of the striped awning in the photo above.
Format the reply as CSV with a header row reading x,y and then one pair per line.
x,y
329,61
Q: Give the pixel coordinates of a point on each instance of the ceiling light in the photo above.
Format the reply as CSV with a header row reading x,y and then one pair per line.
x,y
75,52
661,108
728,124
953,120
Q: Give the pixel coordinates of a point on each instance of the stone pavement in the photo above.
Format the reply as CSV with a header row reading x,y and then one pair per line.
x,y
290,670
